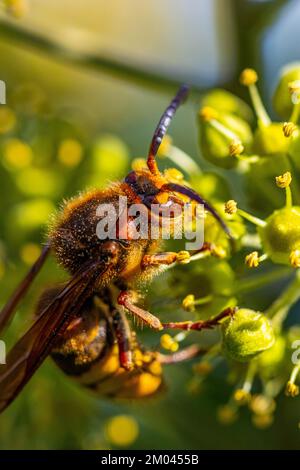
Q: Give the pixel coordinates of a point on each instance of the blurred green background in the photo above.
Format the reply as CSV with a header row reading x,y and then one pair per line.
x,y
86,83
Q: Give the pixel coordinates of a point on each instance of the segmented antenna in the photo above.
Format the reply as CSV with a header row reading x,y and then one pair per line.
x,y
162,127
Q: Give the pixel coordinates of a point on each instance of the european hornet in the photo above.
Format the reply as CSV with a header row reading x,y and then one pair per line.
x,y
82,324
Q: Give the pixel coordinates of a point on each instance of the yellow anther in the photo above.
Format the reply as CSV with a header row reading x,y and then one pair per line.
x,y
218,251
183,257
262,405
291,389
252,260
165,146
283,181
241,396
173,175
262,421
139,164
288,129
168,343
207,113
236,148
230,206
188,303
295,258
294,87
248,77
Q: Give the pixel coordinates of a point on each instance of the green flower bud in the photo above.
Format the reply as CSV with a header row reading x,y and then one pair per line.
x,y
227,102
281,235
270,140
215,143
282,97
246,335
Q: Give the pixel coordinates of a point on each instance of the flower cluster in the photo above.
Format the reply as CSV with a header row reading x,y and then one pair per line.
x,y
258,347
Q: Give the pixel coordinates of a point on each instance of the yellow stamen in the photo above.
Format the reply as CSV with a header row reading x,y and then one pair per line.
x,y
248,77
283,181
253,260
291,389
230,207
188,303
295,258
183,257
236,148
294,89
241,396
262,404
207,113
288,129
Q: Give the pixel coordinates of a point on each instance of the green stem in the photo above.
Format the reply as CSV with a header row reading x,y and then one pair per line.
x,y
203,300
183,161
294,374
288,197
251,218
227,133
280,308
261,113
258,281
250,374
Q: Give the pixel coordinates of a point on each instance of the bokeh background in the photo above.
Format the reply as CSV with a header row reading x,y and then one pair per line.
x,y
86,83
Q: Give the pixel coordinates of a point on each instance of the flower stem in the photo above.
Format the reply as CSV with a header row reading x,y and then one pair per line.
x,y
288,197
294,373
203,300
227,133
183,161
251,218
255,282
260,110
